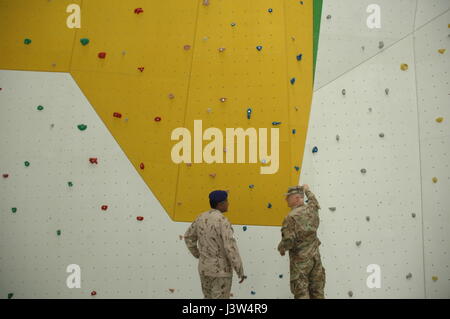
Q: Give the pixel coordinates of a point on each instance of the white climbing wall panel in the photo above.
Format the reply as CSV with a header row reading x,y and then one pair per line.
x,y
121,257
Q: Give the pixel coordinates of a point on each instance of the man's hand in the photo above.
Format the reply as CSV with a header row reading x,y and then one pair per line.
x,y
281,250
242,279
305,187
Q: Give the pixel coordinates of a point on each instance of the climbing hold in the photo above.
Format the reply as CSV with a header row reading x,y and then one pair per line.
x,y
435,278
223,99
380,45
249,112
370,109
104,207
251,186
209,110
124,52
269,205
294,131
102,55
253,292
409,276
259,48
404,66
350,293
157,119
315,149
343,91
435,180
367,218
27,163
280,276
292,81
58,232
171,96
138,10
439,119
14,209
178,203
221,49
293,38
141,69
118,115
205,2
337,138
40,108
171,290
358,243
93,293
141,166
213,175
233,24
27,41
84,41
270,10
363,170
362,48
299,57
381,135
264,161
328,17
332,208
441,51
93,160
187,47
140,218
181,237
297,168
276,123
413,215
70,184
5,175
244,228
10,295
188,164
386,91
82,127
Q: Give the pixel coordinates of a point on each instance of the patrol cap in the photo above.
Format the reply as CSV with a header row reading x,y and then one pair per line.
x,y
295,190
218,196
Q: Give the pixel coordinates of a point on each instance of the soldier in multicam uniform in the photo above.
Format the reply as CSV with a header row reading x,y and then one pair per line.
x,y
299,236
217,251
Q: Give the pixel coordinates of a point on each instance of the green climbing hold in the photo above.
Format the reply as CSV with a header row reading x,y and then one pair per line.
x,y
40,108
58,232
10,295
27,41
70,184
84,41
27,163
82,127
14,209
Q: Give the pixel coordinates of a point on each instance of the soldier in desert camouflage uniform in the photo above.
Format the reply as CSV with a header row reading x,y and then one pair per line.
x,y
299,236
217,251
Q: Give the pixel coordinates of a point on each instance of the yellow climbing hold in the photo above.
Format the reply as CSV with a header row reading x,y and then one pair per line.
x,y
441,51
439,119
435,180
404,66
435,278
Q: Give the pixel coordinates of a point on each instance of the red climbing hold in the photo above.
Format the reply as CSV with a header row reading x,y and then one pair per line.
x,y
138,10
157,119
118,115
141,69
140,218
187,47
102,55
5,175
104,207
93,293
142,166
93,160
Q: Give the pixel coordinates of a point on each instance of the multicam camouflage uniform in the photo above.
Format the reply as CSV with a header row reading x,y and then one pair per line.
x,y
217,253
299,236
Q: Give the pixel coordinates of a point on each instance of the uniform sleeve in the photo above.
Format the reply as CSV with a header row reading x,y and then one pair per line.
x,y
288,237
231,248
190,238
313,204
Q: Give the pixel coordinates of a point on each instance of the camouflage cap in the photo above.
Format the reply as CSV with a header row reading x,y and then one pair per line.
x,y
295,190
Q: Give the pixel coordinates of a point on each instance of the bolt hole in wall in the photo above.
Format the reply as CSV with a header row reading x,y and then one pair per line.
x,y
361,107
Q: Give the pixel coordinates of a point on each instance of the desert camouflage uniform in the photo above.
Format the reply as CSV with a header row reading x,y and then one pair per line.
x,y
217,253
299,236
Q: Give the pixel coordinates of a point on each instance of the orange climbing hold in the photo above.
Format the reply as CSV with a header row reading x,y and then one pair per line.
x,y
441,51
439,119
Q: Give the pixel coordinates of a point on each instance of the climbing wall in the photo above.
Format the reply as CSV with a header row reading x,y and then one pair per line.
x,y
84,180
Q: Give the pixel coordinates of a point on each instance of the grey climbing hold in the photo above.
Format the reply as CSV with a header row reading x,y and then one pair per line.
x,y
386,91
343,91
332,208
381,134
363,170
368,218
409,276
328,17
337,138
370,109
358,243
350,293
380,44
413,215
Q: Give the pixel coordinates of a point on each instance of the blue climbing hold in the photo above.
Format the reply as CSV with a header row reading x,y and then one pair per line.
x,y
249,112
294,131
297,168
315,149
270,10
269,205
276,123
251,186
292,81
259,48
299,57
253,292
